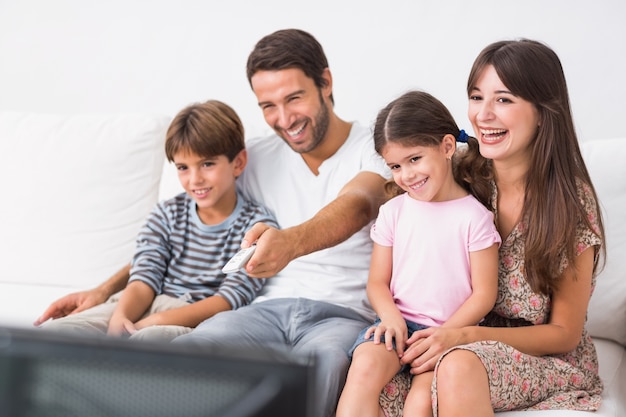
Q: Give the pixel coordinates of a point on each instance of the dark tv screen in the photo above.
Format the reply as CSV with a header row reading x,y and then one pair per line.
x,y
48,375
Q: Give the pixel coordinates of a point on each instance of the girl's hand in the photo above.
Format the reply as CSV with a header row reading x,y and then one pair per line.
x,y
426,347
391,330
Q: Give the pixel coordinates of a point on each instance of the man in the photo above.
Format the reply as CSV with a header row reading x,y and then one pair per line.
x,y
323,181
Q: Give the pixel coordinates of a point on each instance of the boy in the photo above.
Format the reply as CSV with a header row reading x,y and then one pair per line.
x,y
176,280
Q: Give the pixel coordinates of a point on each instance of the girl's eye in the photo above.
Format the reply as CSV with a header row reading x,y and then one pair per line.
x,y
475,97
394,167
504,100
415,159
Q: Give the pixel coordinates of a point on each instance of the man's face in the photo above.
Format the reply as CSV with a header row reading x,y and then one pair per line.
x,y
293,106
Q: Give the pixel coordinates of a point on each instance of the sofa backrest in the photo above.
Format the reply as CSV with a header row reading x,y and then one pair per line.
x,y
606,161
75,191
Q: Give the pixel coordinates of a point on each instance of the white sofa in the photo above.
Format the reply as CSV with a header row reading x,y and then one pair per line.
x,y
76,188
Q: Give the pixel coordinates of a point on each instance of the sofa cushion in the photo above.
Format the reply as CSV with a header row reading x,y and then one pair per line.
x,y
75,191
605,160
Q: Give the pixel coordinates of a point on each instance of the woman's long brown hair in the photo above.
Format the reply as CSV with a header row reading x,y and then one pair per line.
x,y
552,204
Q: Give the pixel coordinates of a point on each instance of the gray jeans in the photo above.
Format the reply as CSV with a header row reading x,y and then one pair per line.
x,y
302,325
95,321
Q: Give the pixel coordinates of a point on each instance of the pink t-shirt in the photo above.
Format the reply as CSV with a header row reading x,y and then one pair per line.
x,y
431,244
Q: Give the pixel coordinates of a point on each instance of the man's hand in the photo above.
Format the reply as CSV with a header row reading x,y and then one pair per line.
x,y
275,249
71,304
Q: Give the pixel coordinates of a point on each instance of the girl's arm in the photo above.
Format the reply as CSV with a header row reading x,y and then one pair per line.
x,y
392,324
561,334
484,276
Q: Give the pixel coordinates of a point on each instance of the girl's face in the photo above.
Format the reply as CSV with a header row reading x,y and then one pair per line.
x,y
505,125
424,172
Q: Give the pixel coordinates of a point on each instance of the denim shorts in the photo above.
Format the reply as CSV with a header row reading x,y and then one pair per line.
x,y
411,327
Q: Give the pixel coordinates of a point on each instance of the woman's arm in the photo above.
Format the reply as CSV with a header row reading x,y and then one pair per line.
x,y
561,334
484,277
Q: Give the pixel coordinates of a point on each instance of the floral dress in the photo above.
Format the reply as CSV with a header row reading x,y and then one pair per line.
x,y
520,381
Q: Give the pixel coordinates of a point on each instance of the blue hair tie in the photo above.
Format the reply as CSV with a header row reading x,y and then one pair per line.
x,y
462,137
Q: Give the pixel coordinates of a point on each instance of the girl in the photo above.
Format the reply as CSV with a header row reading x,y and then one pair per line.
x,y
434,261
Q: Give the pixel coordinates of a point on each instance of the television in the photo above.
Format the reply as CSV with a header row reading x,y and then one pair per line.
x,y
46,374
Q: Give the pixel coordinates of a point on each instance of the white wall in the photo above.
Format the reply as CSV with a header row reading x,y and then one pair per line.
x,y
157,56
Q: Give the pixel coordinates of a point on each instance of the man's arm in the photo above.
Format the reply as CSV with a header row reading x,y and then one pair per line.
x,y
355,206
82,300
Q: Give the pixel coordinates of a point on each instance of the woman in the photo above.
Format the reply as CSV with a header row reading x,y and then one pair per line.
x,y
532,350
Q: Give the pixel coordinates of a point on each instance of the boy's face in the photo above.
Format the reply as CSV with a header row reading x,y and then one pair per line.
x,y
293,106
210,182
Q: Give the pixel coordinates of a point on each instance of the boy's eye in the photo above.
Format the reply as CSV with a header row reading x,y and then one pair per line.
x,y
208,164
415,159
181,167
394,167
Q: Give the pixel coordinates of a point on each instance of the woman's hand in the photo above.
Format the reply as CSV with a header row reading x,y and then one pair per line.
x,y
426,346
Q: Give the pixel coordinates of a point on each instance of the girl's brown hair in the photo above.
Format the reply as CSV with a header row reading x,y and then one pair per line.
x,y
416,118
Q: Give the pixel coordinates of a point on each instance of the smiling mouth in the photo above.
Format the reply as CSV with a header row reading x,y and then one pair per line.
x,y
418,185
292,133
201,192
493,134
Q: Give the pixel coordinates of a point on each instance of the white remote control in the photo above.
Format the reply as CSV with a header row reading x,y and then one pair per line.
x,y
239,260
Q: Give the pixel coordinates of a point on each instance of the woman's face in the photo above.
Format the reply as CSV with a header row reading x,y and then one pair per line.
x,y
504,124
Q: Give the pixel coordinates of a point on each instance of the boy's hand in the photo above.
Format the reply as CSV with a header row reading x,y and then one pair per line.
x,y
120,326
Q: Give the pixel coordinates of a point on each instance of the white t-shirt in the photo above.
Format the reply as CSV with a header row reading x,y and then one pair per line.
x,y
431,244
278,178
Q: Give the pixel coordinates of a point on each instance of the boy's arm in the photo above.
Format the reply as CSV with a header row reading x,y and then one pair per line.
x,y
134,302
189,316
484,273
78,301
355,206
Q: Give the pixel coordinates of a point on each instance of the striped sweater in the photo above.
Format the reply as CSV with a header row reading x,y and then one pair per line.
x,y
180,256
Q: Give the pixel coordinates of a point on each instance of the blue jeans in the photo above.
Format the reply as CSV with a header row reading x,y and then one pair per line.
x,y
305,326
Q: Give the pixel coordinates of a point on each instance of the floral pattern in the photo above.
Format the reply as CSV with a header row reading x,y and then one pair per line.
x,y
520,381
